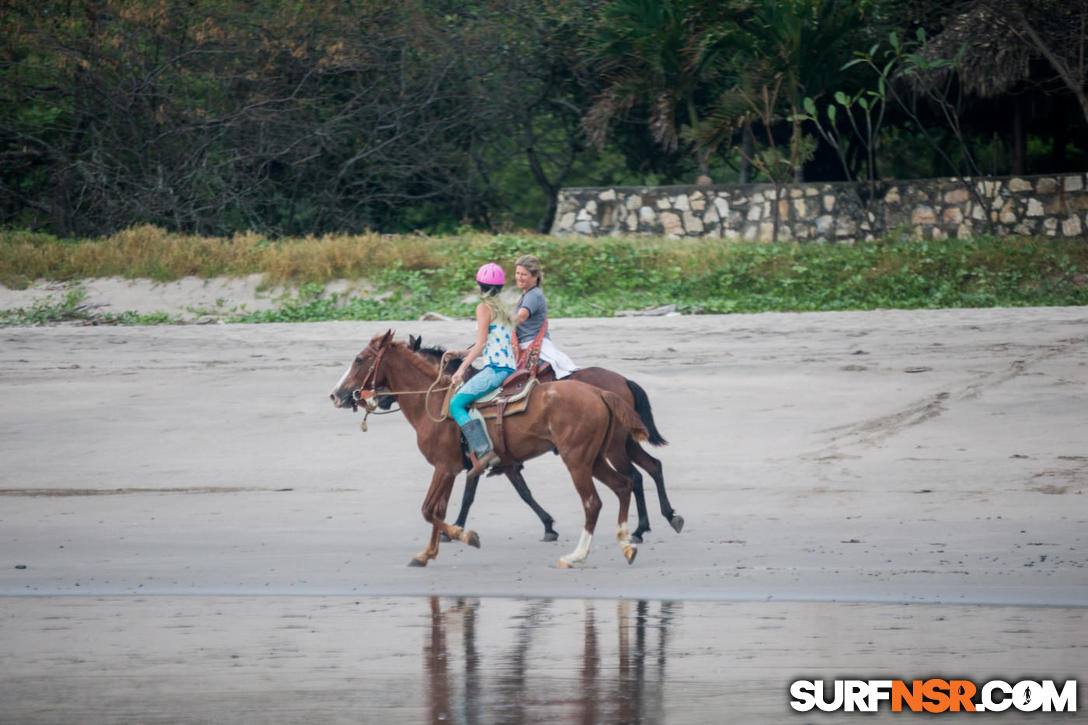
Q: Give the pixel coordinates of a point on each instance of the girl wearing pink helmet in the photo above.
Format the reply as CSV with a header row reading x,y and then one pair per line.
x,y
494,342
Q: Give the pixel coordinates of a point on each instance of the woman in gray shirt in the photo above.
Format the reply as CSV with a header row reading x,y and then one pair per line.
x,y
531,313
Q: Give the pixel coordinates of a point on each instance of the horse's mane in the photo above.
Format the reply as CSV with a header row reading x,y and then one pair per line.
x,y
419,362
435,353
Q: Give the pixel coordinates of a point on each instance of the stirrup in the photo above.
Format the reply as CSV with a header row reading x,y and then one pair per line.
x,y
481,464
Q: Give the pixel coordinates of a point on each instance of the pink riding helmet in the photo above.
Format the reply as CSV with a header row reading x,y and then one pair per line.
x,y
491,273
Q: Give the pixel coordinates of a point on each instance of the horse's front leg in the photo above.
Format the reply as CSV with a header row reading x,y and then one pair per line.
x,y
518,482
471,481
434,512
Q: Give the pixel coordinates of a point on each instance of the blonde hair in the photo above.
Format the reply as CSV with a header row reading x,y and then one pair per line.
x,y
532,266
499,314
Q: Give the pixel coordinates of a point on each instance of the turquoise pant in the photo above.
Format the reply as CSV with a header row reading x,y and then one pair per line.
x,y
477,386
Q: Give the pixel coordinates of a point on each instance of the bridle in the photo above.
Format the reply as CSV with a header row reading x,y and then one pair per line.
x,y
363,394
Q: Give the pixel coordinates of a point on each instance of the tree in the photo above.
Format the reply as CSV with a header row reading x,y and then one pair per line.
x,y
296,118
665,55
529,93
287,117
795,46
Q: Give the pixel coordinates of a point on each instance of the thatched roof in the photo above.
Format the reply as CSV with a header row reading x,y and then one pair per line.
x,y
994,57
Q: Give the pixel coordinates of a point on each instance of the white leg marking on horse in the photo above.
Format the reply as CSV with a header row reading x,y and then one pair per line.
x,y
624,537
581,553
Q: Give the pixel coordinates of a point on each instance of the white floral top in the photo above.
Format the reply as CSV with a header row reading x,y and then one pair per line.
x,y
500,347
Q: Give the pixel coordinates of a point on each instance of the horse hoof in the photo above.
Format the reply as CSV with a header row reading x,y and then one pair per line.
x,y
629,553
563,565
550,536
444,539
677,523
417,562
472,539
636,538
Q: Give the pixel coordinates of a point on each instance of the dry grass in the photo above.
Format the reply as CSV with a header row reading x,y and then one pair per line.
x,y
154,253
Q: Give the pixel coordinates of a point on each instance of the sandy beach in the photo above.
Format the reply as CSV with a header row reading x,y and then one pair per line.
x,y
870,456
881,459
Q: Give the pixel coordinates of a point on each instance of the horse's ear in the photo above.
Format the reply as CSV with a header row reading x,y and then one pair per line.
x,y
414,342
386,339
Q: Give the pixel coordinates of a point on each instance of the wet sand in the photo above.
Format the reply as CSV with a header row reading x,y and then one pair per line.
x,y
494,660
854,477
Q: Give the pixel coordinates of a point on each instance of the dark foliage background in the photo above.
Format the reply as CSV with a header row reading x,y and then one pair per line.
x,y
289,118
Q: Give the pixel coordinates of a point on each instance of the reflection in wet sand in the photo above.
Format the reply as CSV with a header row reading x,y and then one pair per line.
x,y
521,683
487,660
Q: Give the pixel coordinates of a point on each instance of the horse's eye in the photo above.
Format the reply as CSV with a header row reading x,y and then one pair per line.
x,y
359,360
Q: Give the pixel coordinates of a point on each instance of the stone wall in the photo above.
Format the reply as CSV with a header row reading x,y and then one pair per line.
x,y
823,212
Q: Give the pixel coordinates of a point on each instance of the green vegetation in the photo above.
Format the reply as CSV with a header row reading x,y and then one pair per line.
x,y
413,274
70,309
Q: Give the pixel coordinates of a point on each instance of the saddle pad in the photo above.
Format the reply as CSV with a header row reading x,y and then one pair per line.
x,y
516,400
491,410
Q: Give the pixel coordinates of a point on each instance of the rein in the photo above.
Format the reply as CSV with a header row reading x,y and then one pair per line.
x,y
363,394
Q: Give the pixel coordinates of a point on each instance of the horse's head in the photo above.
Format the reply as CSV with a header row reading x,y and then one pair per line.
x,y
364,375
385,402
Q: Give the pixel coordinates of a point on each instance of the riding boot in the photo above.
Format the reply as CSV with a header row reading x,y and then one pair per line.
x,y
479,445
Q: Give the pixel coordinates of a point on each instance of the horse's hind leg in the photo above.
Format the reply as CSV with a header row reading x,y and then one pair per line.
x,y
653,466
591,505
640,504
621,485
622,462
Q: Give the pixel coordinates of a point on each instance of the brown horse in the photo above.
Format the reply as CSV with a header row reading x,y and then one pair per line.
x,y
586,426
631,393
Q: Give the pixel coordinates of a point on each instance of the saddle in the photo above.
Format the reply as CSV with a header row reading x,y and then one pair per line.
x,y
510,398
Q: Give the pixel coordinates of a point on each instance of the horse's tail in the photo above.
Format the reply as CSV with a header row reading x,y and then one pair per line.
x,y
642,407
623,414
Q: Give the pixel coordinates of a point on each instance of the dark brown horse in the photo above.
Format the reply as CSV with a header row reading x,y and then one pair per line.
x,y
586,426
631,393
